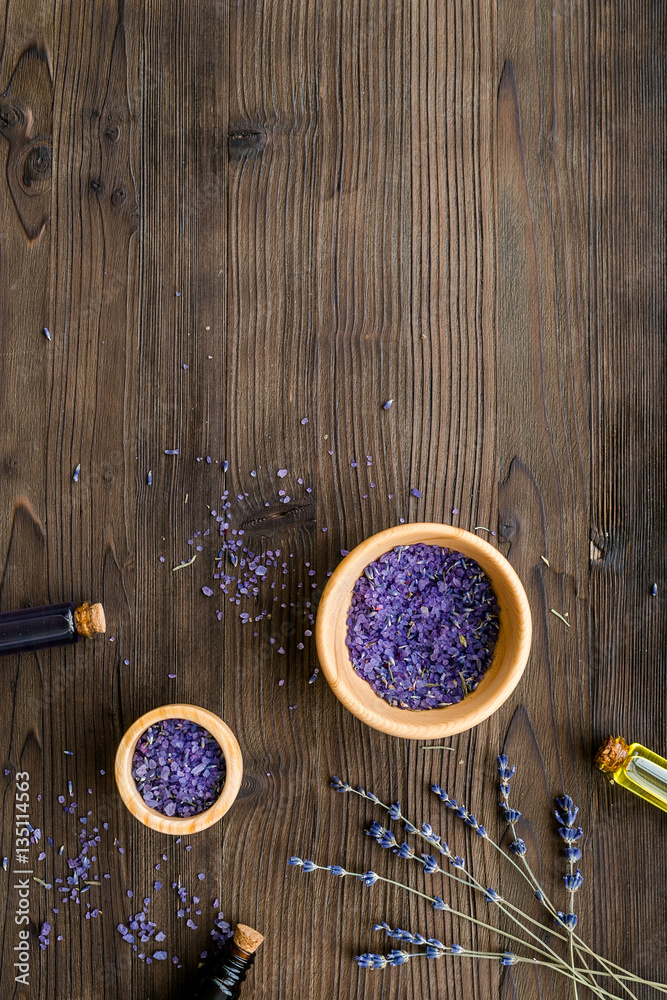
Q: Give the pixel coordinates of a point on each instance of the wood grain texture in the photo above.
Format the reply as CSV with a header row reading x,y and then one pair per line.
x,y
233,216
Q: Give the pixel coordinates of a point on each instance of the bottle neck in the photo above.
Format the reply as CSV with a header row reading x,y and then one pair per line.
x,y
223,979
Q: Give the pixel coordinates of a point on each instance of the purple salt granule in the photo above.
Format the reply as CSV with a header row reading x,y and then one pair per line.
x,y
422,626
179,768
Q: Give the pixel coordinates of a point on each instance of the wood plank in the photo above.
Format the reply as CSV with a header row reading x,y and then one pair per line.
x,y
627,258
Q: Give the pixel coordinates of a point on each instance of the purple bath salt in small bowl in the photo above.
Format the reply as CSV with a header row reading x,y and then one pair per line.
x,y
422,626
178,767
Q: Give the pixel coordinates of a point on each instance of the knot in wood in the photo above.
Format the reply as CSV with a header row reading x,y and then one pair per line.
x,y
11,114
35,175
244,140
506,527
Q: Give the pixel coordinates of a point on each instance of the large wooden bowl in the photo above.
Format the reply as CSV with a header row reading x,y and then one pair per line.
x,y
509,658
130,794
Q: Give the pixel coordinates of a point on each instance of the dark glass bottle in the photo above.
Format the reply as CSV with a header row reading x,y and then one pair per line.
x,y
222,980
49,625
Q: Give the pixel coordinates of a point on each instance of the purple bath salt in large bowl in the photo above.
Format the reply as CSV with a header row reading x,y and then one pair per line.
x,y
423,630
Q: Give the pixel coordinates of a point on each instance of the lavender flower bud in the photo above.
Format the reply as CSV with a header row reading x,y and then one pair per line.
x,y
427,830
382,926
457,862
456,949
439,904
309,866
430,864
340,786
492,896
518,847
433,952
405,851
570,833
572,854
397,957
395,810
337,870
440,792
573,881
511,815
370,961
508,958
480,831
435,943
375,830
568,920
295,861
387,839
368,878
409,828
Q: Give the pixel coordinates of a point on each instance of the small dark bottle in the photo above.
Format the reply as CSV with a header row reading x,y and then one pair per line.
x,y
222,980
47,626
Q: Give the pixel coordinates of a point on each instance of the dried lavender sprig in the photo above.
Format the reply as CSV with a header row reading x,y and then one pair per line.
x,y
566,818
507,958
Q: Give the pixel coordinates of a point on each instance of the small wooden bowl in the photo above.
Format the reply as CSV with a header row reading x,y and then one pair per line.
x,y
509,658
175,825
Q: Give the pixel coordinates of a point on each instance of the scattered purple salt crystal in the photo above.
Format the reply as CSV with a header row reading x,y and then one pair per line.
x,y
47,333
201,878
207,591
172,676
171,451
225,466
149,478
455,511
281,473
422,626
387,405
415,492
179,768
160,955
304,420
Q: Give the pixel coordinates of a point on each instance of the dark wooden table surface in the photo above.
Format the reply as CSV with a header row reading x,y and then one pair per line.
x,y
232,216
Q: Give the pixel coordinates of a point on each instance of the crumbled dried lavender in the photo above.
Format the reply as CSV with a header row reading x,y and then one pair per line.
x,y
422,626
179,768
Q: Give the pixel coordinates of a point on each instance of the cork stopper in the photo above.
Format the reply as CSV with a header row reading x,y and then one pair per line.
x,y
247,939
612,754
89,619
